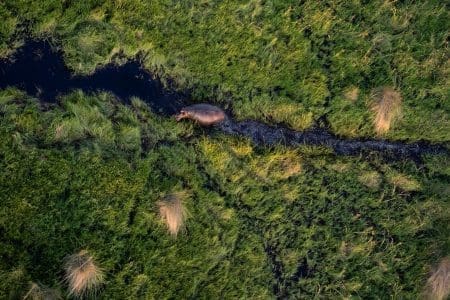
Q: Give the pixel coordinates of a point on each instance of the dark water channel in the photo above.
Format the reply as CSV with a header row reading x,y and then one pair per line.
x,y
39,70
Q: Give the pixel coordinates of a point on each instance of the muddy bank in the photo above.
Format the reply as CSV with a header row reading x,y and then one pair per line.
x,y
39,69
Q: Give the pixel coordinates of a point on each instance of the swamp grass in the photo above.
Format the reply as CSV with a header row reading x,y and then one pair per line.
x,y
263,223
276,61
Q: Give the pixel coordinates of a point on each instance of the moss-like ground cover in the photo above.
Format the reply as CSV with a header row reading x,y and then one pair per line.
x,y
89,173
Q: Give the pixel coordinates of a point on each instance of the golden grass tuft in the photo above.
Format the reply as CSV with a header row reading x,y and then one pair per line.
x,y
371,179
82,274
173,212
40,292
438,284
387,107
404,182
351,93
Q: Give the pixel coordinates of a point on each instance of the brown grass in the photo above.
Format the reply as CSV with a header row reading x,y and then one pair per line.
x,y
173,212
39,292
82,274
351,94
387,106
371,179
438,284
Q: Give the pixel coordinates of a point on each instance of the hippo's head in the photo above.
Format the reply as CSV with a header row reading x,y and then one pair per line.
x,y
182,115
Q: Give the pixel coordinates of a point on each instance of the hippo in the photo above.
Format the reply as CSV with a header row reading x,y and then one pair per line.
x,y
204,114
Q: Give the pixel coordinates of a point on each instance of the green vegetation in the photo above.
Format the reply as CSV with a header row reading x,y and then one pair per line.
x,y
170,212
70,180
277,61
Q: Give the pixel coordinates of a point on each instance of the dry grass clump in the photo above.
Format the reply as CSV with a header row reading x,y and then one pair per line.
x,y
387,106
404,182
39,292
173,212
371,179
351,93
438,284
82,274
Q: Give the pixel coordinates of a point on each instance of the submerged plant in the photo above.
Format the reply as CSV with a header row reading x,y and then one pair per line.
x,y
438,284
173,212
82,274
387,105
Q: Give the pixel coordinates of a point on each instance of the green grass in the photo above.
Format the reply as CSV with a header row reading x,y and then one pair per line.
x,y
279,62
360,226
263,223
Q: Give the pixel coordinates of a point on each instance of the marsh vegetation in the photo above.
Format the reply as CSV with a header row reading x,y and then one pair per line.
x,y
172,210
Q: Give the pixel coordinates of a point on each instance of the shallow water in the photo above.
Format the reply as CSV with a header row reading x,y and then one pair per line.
x,y
39,69
263,134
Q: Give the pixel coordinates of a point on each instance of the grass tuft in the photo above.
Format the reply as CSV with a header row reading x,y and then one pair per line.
x,y
82,274
371,179
438,284
387,105
173,212
40,292
351,93
404,182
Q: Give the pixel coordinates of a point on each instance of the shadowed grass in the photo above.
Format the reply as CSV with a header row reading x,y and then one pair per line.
x,y
40,292
82,274
173,212
386,106
438,284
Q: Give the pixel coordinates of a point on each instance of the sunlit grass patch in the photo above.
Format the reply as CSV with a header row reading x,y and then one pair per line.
x,y
92,43
404,182
241,147
438,284
173,212
370,179
351,93
85,119
386,106
82,274
278,165
129,137
284,110
216,154
40,292
7,27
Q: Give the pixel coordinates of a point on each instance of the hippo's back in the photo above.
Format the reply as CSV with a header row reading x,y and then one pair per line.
x,y
205,114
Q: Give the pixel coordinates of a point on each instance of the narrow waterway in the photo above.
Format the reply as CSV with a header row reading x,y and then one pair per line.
x,y
39,69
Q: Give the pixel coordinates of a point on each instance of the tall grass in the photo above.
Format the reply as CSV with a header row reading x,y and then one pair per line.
x,y
173,212
40,292
438,284
387,107
82,274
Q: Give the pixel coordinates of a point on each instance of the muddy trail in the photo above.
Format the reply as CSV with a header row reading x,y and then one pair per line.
x,y
39,69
